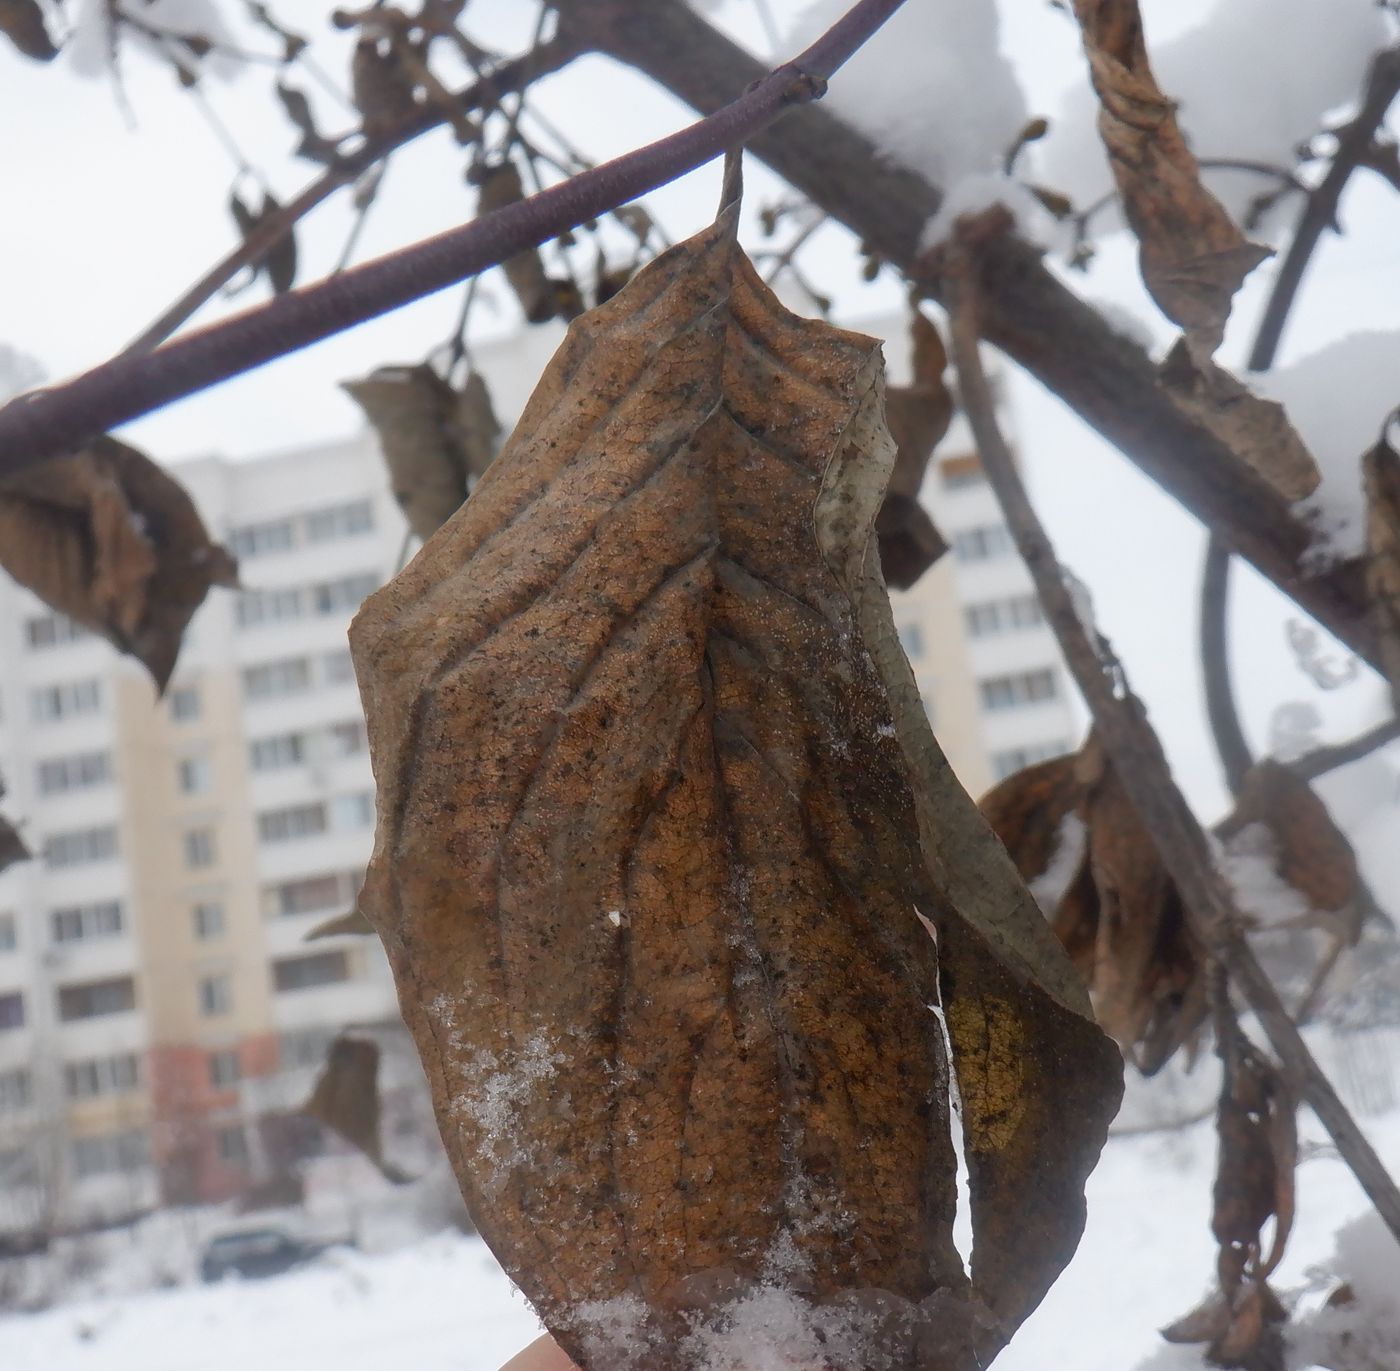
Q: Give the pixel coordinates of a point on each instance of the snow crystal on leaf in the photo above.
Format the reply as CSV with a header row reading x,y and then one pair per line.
x,y
1249,863
1071,841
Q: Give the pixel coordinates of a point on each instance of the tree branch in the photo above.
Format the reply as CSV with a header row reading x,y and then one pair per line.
x,y
1224,718
511,76
1324,759
1354,145
1111,383
1121,724
48,423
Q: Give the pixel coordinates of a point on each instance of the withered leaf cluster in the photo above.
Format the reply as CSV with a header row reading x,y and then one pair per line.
x,y
918,416
346,1100
436,441
1257,1124
1193,257
658,865
1072,832
1381,472
108,538
1074,835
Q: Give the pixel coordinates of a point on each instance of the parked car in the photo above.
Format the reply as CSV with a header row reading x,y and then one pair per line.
x,y
255,1252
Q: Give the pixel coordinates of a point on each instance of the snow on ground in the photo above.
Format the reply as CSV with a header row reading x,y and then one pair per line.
x,y
443,1304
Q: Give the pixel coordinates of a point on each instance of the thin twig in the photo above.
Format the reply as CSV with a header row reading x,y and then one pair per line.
x,y
1230,744
1324,759
1354,141
47,423
1121,723
345,171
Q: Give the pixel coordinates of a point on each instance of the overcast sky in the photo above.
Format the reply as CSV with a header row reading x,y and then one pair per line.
x,y
108,219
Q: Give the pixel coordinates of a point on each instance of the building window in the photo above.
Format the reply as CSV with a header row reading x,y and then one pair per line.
x,y
353,811
275,753
16,1088
52,630
208,919
81,847
231,1145
1024,611
215,995
118,1075
12,1010
224,1070
297,821
256,607
337,668
80,772
199,847
962,473
87,922
347,739
1016,759
9,937
67,700
110,1153
303,1048
311,894
1025,687
979,544
258,540
345,595
195,775
268,681
184,703
911,639
96,998
304,973
339,521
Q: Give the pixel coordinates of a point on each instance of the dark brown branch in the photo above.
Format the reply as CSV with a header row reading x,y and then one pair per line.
x,y
511,76
1224,718
50,422
1324,759
1354,143
1121,724
1029,314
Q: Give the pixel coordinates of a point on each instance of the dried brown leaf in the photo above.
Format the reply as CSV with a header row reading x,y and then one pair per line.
x,y
1313,856
313,145
918,416
1381,472
476,429
1257,430
500,185
1193,257
417,418
114,542
22,22
279,262
649,861
346,1100
382,86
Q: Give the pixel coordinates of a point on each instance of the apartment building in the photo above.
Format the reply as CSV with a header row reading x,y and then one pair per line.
x,y
161,1009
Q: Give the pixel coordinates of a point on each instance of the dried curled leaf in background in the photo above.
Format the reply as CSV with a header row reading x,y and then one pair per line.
x,y
22,22
918,416
1257,1124
1381,471
1193,256
1258,430
109,539
434,440
649,869
382,86
279,262
346,1099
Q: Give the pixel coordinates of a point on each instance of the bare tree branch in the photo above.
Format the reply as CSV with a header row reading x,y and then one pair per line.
x,y
1224,718
1324,759
1354,144
1120,722
48,423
